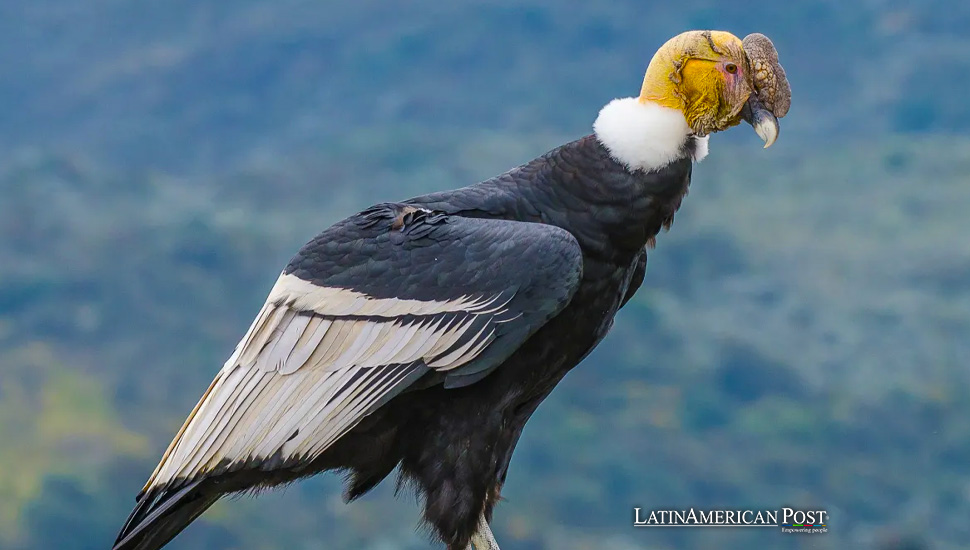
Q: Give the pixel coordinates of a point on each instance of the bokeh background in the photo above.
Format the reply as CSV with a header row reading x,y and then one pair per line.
x,y
801,339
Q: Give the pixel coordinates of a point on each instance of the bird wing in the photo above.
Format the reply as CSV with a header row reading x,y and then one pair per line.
x,y
362,311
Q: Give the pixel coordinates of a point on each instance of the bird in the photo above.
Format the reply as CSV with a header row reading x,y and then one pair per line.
x,y
421,335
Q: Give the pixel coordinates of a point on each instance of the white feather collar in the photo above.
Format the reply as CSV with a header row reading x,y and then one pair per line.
x,y
644,136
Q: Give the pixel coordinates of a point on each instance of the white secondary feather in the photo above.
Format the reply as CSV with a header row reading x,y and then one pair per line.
x,y
306,372
305,296
644,136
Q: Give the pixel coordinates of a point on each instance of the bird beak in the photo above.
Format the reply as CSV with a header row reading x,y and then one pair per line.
x,y
761,119
772,92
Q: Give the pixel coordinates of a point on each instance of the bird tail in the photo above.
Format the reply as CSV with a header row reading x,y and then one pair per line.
x,y
159,516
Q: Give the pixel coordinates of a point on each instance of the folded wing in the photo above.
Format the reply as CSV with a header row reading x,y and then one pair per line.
x,y
364,310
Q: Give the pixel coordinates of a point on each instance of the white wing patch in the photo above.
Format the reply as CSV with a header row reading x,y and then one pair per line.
x,y
315,361
305,296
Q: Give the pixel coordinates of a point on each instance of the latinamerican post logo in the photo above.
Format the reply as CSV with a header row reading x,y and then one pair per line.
x,y
789,520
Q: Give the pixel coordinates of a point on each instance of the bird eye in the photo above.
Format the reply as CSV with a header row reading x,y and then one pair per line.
x,y
731,68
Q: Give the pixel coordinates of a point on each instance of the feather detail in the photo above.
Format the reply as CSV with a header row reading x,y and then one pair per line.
x,y
301,378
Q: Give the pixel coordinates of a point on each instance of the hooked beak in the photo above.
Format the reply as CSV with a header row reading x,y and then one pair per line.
x,y
761,119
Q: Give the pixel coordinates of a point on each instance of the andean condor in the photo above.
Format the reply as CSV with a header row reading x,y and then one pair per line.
x,y
423,334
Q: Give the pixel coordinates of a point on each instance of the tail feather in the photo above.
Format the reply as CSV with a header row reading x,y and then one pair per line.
x,y
159,516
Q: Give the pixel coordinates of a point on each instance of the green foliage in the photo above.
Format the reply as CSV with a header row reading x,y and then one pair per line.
x,y
800,338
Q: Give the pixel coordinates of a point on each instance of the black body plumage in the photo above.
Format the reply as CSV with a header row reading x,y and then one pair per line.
x,y
561,243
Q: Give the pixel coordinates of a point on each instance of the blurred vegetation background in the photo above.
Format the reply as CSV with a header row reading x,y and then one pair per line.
x,y
801,338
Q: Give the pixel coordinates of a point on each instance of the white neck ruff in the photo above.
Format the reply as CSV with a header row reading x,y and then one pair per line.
x,y
645,136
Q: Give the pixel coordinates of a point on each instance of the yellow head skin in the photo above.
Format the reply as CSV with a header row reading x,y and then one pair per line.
x,y
705,75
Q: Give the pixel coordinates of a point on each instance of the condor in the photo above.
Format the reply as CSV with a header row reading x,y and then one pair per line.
x,y
422,335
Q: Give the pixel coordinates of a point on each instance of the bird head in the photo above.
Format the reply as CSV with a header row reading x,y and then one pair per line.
x,y
717,80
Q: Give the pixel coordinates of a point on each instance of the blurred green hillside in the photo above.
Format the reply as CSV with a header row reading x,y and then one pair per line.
x,y
801,338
